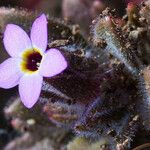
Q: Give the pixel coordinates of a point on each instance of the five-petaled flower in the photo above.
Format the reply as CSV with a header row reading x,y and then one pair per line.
x,y
30,61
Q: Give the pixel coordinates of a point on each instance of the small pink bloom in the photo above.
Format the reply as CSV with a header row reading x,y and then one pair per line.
x,y
29,61
134,1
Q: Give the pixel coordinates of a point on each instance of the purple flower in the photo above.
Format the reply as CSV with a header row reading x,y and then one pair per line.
x,y
29,61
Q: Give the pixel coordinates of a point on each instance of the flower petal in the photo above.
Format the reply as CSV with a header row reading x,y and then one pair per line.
x,y
39,33
10,73
16,40
53,63
30,89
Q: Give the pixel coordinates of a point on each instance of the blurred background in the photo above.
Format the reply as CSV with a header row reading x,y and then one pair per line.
x,y
79,12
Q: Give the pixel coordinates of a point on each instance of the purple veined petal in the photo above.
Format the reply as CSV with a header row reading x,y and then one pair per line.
x,y
39,33
16,40
53,63
10,73
30,89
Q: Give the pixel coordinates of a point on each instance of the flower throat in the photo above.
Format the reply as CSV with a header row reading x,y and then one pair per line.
x,y
31,61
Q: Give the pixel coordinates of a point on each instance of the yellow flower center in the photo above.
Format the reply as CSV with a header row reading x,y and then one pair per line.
x,y
31,60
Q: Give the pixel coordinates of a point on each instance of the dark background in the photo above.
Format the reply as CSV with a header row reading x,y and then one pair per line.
x,y
81,12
